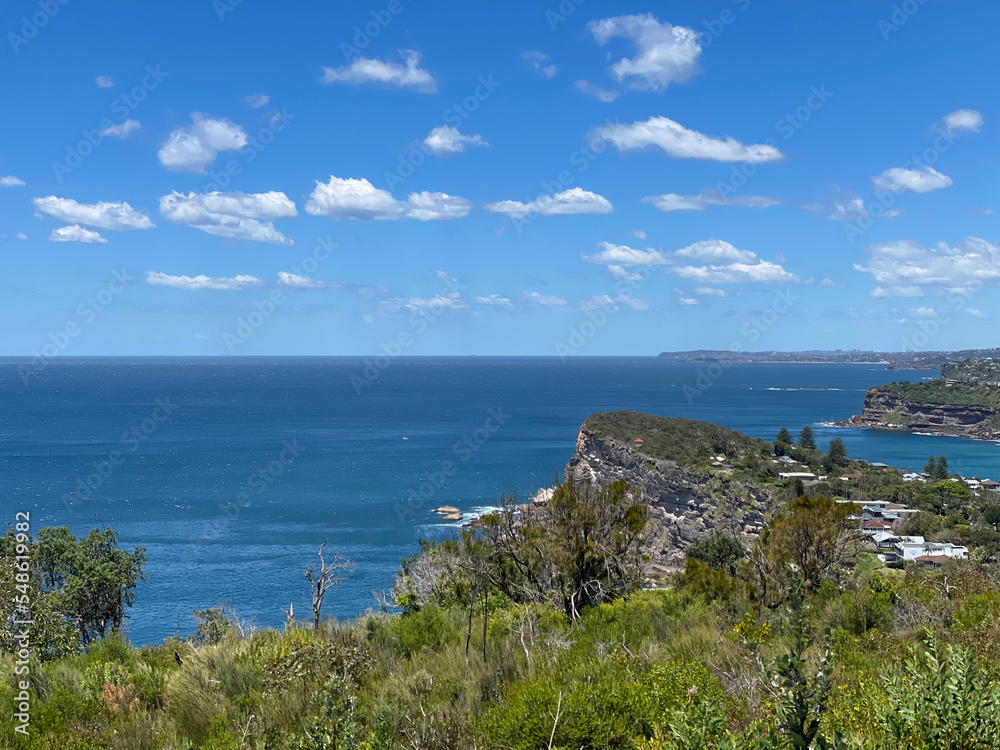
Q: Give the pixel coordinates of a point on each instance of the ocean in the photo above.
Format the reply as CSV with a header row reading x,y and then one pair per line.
x,y
231,472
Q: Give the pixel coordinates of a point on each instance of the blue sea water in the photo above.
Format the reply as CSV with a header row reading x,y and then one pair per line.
x,y
262,459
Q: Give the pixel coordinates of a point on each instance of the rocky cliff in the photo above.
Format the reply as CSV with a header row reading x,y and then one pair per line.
x,y
891,408
686,503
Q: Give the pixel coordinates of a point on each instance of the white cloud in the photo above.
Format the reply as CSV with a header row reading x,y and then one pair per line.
x,y
446,277
591,89
118,217
978,211
619,273
193,148
122,129
688,301
353,199
714,251
892,213
21,236
235,216
348,198
439,302
623,255
665,53
294,281
364,70
11,181
543,301
962,121
675,202
905,268
256,101
572,201
104,82
495,300
638,233
923,312
758,272
708,291
76,233
445,140
428,206
538,62
607,302
709,262
848,206
976,313
681,143
202,282
921,180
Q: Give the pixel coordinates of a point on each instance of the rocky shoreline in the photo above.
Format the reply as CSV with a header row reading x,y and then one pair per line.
x,y
886,409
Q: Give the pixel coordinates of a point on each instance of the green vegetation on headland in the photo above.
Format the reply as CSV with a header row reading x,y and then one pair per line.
x,y
539,630
686,442
964,401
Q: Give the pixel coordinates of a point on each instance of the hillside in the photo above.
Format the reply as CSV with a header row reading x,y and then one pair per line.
x,y
672,468
686,442
963,403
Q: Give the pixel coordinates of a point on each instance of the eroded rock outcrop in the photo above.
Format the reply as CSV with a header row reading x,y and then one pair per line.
x,y
887,408
685,504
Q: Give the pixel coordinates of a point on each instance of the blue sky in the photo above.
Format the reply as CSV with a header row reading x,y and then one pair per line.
x,y
583,178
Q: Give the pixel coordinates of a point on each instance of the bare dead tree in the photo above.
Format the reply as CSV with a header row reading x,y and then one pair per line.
x,y
324,578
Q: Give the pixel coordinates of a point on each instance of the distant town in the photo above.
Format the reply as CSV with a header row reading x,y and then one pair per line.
x,y
928,360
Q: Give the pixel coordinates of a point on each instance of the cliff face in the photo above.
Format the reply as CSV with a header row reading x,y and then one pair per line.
x,y
685,505
890,410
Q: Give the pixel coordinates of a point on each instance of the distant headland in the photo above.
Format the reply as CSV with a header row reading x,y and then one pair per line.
x,y
926,360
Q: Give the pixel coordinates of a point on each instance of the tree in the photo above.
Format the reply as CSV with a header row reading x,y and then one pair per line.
x,y
583,547
992,515
784,436
940,469
944,497
720,552
806,438
812,538
90,580
930,465
838,452
324,578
